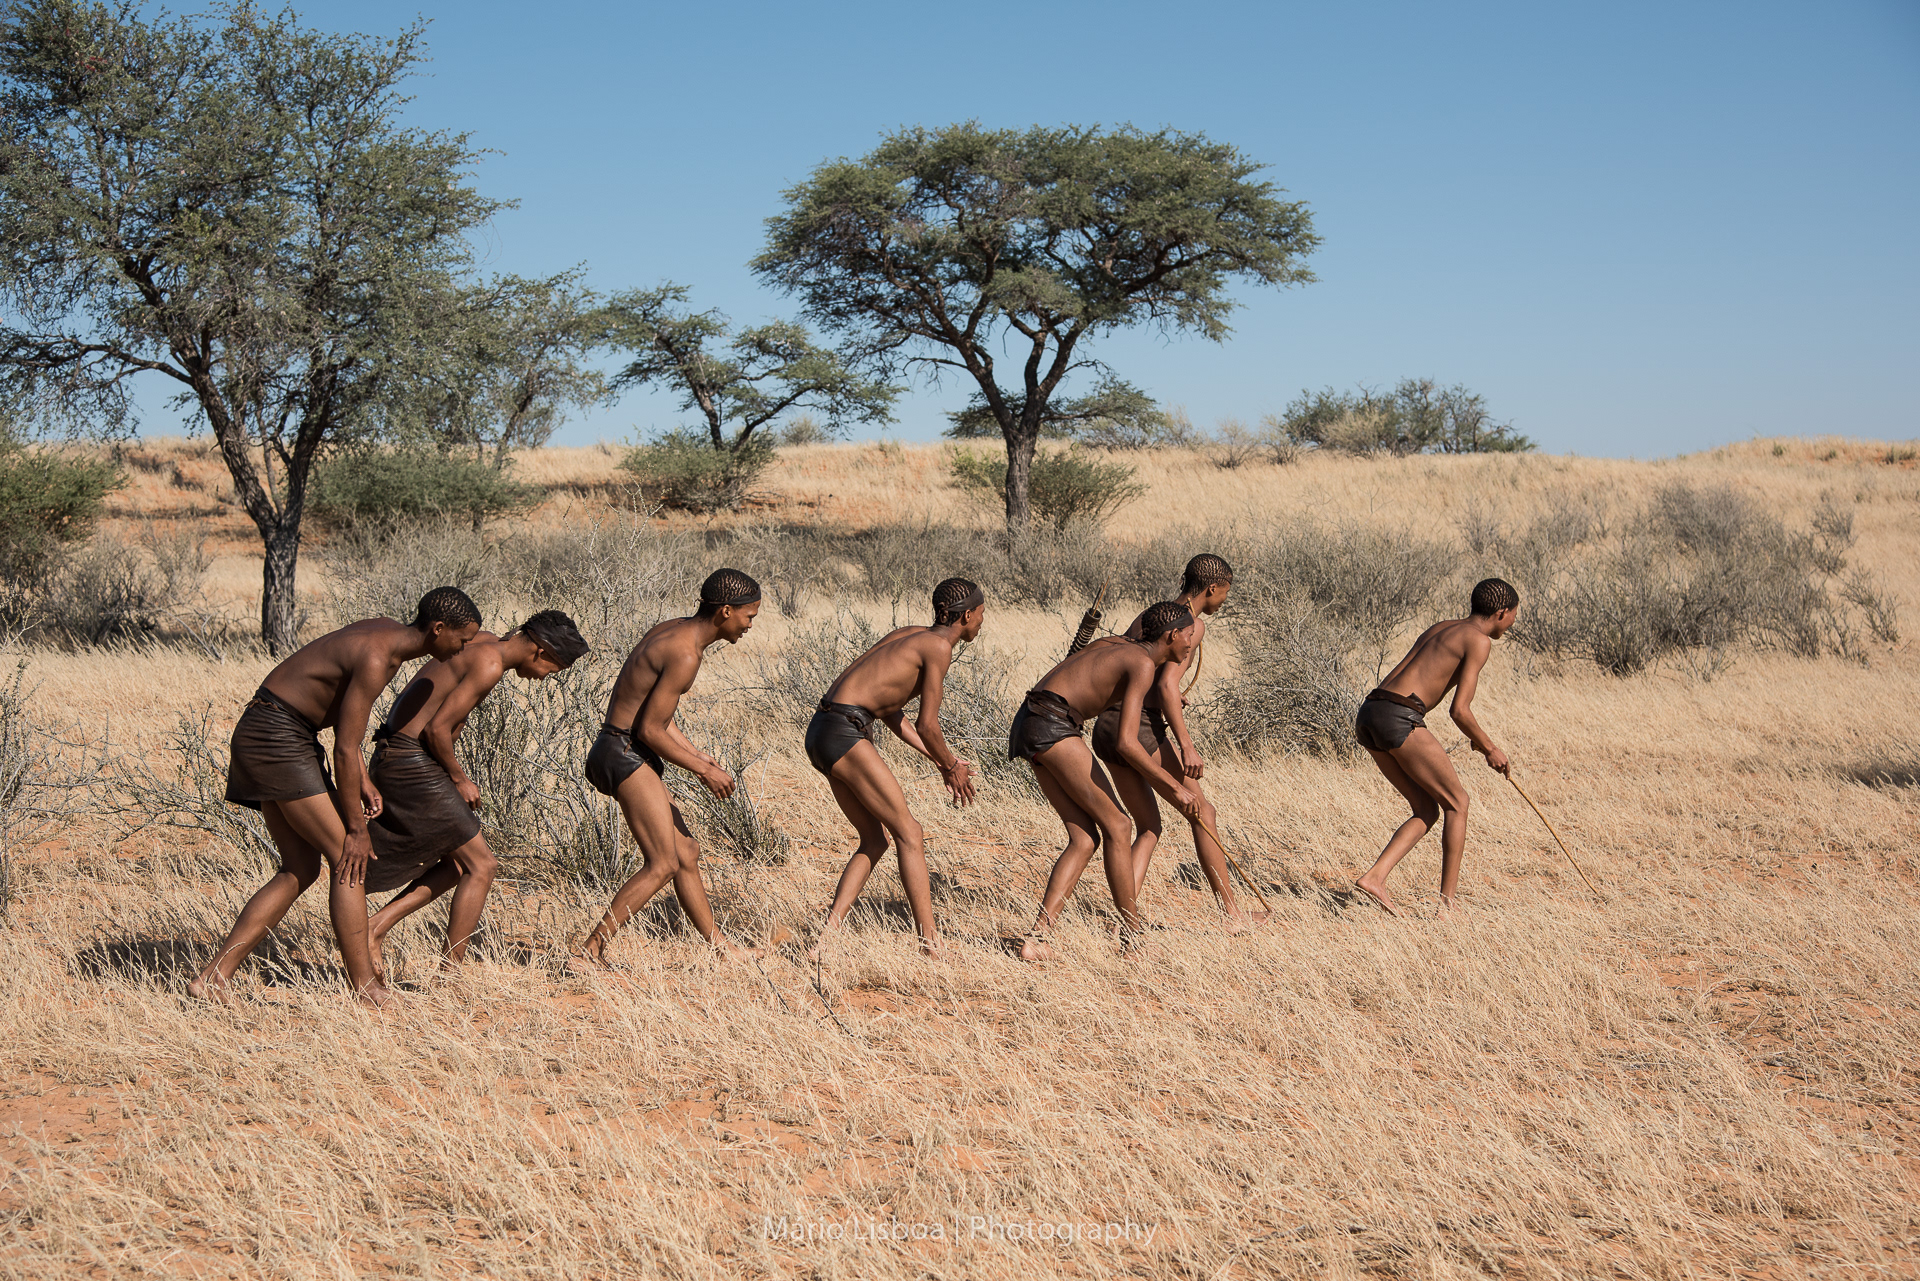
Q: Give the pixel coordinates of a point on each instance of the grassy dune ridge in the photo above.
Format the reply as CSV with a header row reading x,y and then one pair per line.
x,y
1710,1074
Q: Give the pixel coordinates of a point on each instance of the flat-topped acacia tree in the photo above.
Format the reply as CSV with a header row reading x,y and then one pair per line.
x,y
942,248
231,204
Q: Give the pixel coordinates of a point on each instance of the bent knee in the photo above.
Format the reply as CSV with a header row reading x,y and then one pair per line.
x,y
909,833
483,865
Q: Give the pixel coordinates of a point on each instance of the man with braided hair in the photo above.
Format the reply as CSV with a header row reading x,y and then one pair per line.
x,y
278,768
1392,727
1162,731
639,738
1046,733
428,834
907,663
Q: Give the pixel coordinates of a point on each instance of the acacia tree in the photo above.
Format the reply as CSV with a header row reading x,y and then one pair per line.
x,y
513,362
231,204
941,248
738,382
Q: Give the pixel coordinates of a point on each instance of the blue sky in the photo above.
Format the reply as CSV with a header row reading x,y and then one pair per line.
x,y
1637,229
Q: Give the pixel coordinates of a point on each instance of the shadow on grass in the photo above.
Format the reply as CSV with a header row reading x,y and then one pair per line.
x,y
169,961
1885,775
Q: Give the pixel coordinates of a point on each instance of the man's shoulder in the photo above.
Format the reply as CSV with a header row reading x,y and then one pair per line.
x,y
486,659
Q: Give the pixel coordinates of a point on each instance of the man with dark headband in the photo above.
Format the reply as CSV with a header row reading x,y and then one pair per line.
x,y
908,663
279,769
639,738
1162,732
1392,726
1046,733
428,835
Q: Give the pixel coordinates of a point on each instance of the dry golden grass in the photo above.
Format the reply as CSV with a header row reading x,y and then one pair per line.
x,y
1710,1074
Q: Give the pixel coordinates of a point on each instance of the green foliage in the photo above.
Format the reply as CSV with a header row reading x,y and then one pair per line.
x,y
412,484
1418,416
232,203
949,248
680,470
1067,487
512,361
741,382
47,500
1116,415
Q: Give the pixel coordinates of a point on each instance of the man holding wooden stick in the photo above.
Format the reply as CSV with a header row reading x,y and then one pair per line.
x,y
1162,734
1392,726
1046,733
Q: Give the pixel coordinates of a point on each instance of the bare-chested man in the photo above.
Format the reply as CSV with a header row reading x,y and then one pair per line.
x,y
908,662
639,738
279,768
427,835
1392,727
1046,733
1162,731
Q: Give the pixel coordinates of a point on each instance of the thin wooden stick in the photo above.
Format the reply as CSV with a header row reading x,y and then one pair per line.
x,y
1556,836
1234,864
1199,657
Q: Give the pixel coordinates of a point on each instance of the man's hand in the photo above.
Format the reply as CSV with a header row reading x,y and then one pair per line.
x,y
718,781
469,792
1191,765
370,801
354,856
959,782
1186,802
1497,759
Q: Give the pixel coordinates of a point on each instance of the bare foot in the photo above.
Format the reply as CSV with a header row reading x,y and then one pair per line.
x,y
1036,949
1379,896
1241,922
934,949
375,996
209,986
378,954
1446,911
733,951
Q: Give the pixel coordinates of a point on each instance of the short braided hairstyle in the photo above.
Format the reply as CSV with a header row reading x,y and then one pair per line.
x,y
953,598
1491,595
726,587
447,605
1167,616
1203,571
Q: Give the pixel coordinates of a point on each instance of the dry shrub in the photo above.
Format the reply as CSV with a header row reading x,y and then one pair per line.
x,y
1696,570
1298,691
1233,445
381,569
791,562
616,576
114,591
1316,612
